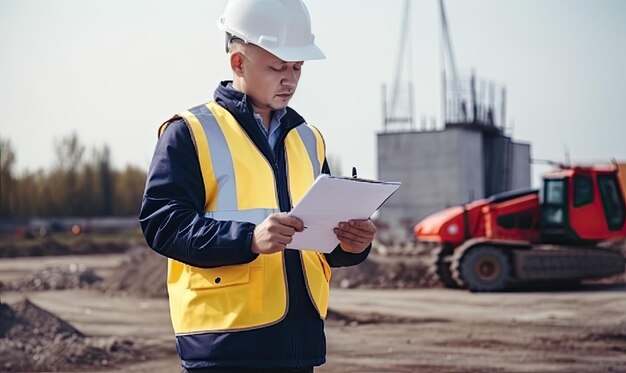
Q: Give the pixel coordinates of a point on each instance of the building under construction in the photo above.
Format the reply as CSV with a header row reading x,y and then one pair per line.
x,y
442,168
470,157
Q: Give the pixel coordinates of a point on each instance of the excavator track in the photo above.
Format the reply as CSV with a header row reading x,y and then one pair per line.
x,y
516,262
440,266
565,263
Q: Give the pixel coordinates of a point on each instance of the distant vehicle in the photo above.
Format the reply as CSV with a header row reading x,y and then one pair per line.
x,y
569,231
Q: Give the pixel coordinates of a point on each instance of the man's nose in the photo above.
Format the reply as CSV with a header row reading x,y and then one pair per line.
x,y
290,79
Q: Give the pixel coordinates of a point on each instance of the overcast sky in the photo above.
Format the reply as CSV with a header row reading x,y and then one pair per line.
x,y
113,70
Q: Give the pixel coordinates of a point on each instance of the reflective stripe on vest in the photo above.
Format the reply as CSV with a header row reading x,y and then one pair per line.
x,y
221,160
239,185
310,142
255,216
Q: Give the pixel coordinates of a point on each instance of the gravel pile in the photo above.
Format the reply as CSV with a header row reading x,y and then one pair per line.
x,y
403,249
35,340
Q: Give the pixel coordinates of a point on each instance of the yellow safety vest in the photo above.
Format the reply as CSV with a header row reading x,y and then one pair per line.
x,y
239,185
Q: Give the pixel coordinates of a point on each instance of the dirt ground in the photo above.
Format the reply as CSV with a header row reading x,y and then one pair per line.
x,y
376,330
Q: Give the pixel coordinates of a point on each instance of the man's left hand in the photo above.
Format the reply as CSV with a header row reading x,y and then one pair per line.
x,y
355,235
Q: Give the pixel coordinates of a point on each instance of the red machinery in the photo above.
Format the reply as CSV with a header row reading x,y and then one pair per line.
x,y
567,231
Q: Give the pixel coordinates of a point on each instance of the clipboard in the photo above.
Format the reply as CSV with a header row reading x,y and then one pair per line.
x,y
333,199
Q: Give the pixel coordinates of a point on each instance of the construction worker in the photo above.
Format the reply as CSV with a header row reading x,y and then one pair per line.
x,y
222,177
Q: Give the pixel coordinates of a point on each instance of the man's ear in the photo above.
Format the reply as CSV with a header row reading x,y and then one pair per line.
x,y
236,63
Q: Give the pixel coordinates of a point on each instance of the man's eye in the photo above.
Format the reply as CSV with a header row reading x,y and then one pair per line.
x,y
277,69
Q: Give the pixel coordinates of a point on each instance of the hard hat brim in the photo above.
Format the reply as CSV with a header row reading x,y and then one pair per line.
x,y
308,53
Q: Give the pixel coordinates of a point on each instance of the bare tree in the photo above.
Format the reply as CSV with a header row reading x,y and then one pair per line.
x,y
64,188
107,187
69,153
7,181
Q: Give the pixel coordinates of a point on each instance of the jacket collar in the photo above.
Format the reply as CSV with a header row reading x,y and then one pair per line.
x,y
240,106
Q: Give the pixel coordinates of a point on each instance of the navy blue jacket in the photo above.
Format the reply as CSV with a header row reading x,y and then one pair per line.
x,y
174,225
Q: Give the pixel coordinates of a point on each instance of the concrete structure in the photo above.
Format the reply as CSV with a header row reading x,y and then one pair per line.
x,y
444,168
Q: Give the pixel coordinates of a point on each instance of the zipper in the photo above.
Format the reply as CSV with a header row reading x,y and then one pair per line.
x,y
295,304
284,204
272,156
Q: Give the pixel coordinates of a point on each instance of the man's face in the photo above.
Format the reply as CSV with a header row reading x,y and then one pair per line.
x,y
270,81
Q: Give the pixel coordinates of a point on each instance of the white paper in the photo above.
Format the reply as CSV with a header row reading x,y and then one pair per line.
x,y
331,200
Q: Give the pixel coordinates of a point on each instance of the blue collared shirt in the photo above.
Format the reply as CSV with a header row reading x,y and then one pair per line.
x,y
273,133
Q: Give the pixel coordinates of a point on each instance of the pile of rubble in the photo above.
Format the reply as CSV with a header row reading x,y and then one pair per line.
x,y
34,340
408,248
71,276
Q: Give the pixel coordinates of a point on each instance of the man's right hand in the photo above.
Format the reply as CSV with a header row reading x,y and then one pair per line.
x,y
275,233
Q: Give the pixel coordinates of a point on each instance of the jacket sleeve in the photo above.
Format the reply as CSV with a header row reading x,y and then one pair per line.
x,y
338,257
172,210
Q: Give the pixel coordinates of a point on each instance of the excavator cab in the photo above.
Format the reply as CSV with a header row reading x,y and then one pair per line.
x,y
582,205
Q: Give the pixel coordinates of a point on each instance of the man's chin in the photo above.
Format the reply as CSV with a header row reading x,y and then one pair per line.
x,y
279,105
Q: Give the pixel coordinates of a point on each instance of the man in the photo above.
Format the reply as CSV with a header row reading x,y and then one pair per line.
x,y
222,177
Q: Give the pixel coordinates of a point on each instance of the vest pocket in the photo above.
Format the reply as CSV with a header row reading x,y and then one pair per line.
x,y
325,266
210,278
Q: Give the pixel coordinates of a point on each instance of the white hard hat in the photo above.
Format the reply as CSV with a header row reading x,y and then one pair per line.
x,y
281,27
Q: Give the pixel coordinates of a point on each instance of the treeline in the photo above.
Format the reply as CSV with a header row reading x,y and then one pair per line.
x,y
81,183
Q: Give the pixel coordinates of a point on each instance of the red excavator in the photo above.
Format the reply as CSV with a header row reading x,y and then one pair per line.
x,y
572,229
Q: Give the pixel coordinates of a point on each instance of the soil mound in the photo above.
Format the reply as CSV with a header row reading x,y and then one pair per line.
x,y
34,340
144,275
24,319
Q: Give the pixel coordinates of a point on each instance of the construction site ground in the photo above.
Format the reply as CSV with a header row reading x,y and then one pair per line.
x,y
368,329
